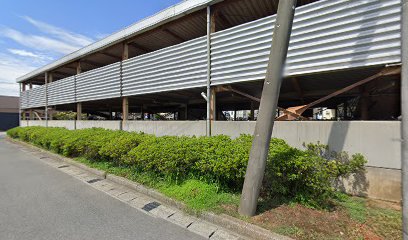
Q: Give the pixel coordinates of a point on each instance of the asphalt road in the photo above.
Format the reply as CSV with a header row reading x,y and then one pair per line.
x,y
39,202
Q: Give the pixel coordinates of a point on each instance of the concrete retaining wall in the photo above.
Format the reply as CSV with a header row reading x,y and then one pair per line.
x,y
379,141
62,123
39,123
378,183
162,128
114,125
24,123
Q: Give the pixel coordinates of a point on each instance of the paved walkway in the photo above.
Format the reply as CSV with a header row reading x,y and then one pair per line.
x,y
37,201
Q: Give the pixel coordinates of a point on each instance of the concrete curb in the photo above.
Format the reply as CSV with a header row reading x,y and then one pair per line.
x,y
145,190
241,227
84,167
230,223
225,221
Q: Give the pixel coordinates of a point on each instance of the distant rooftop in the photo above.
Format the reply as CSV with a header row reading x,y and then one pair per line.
x,y
9,104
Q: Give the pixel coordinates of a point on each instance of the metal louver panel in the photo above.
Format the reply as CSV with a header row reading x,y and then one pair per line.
x,y
176,67
327,35
61,91
36,97
24,101
100,83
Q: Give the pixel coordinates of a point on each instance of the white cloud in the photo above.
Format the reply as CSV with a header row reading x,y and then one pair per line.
x,y
25,53
11,68
59,33
39,49
36,42
54,39
7,89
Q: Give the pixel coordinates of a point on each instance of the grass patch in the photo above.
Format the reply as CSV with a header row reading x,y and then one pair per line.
x,y
384,221
198,195
355,207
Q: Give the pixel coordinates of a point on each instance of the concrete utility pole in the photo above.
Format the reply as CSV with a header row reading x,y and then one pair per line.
x,y
267,109
404,121
31,110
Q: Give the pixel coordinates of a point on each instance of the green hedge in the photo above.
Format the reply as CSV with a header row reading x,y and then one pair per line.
x,y
303,175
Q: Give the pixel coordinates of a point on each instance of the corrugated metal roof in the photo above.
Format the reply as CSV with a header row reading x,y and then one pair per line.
x,y
162,17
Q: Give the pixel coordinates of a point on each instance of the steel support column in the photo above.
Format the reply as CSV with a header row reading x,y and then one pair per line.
x,y
46,99
252,111
209,28
50,80
125,100
213,105
267,109
125,109
78,105
79,111
404,121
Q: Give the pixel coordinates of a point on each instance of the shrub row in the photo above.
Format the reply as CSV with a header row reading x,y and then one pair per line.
x,y
290,173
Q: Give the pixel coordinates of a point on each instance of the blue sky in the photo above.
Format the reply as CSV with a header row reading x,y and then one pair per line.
x,y
34,33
